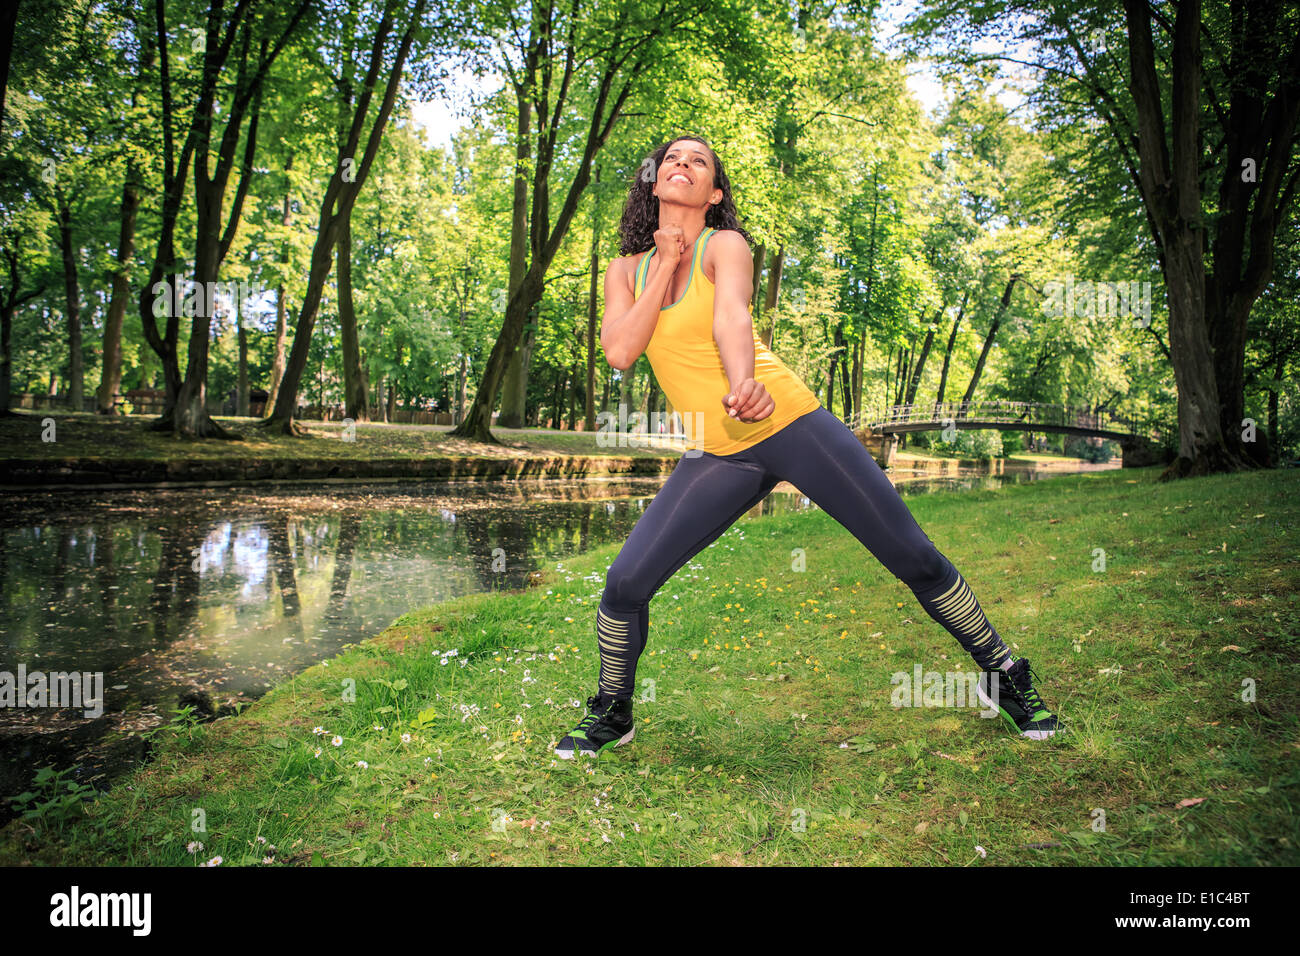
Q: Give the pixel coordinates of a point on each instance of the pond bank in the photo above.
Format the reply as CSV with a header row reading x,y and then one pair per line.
x,y
88,453
91,473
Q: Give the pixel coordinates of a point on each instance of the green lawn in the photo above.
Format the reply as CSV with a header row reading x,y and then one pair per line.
x,y
772,707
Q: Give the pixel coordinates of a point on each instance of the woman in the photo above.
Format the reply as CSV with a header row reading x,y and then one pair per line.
x,y
682,298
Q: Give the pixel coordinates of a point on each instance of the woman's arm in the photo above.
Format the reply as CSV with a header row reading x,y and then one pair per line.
x,y
733,327
629,322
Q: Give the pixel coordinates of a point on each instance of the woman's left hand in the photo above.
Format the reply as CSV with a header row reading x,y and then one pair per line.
x,y
749,402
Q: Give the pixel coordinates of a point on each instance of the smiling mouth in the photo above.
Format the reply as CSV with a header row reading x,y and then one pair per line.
x,y
679,176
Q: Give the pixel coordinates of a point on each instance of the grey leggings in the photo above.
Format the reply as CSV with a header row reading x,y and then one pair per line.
x,y
706,494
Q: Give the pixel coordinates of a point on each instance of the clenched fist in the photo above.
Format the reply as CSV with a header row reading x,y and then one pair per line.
x,y
669,244
749,402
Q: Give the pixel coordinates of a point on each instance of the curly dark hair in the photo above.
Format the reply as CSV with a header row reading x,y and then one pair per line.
x,y
641,211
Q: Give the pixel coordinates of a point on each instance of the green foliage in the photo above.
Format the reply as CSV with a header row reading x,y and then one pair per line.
x,y
980,445
56,800
1091,451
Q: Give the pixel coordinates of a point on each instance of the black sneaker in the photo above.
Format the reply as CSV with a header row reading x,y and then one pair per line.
x,y
608,724
1014,696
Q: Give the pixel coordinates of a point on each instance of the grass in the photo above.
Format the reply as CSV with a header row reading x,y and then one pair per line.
x,y
771,738
89,436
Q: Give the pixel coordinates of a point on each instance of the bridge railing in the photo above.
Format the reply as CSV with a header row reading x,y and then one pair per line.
x,y
1028,414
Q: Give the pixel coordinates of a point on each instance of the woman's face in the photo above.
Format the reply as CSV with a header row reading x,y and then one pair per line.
x,y
686,175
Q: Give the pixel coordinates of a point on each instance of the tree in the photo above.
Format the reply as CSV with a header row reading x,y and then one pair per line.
x,y
1212,163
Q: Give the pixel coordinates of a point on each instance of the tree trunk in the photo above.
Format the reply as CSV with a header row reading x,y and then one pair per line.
x,y
8,19
281,340
6,351
462,384
573,395
557,404
1274,388
281,310
889,363
10,300
830,377
627,394
72,306
355,404
1169,178
760,257
947,355
392,391
514,387
110,384
859,362
904,372
910,397
988,339
189,416
241,389
651,399
775,269
845,381
593,306
186,413
1248,213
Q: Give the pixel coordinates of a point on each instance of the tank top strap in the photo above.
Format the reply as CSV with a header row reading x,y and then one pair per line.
x,y
697,264
642,270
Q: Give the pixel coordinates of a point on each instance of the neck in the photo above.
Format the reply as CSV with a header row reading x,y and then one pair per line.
x,y
689,218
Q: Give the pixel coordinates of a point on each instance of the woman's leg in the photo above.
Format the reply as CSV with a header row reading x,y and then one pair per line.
x,y
826,461
702,498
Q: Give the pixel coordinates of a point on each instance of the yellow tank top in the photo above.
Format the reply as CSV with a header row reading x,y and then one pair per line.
x,y
688,365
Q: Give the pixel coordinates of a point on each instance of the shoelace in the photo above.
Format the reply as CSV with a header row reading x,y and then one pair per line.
x,y
590,720
1025,689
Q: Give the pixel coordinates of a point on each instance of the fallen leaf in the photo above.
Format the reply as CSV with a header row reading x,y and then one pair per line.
x,y
1191,801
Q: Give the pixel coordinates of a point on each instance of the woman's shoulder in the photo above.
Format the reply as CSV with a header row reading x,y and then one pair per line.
x,y
722,242
725,240
624,268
